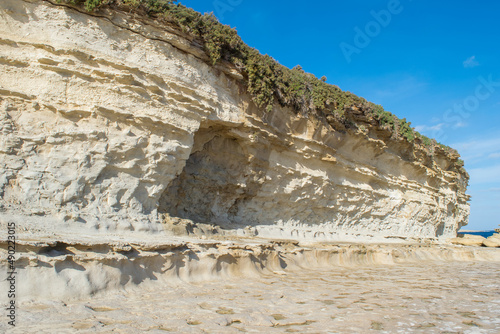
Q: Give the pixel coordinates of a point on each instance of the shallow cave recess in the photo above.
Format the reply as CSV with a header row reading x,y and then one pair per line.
x,y
224,173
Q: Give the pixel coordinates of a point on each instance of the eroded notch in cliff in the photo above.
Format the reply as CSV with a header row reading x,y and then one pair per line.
x,y
224,172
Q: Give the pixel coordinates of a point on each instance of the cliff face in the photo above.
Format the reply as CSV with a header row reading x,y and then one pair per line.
x,y
110,123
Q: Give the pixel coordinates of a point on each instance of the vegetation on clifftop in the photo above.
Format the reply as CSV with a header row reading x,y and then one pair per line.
x,y
267,80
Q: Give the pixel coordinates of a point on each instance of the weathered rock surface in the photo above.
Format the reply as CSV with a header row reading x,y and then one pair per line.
x,y
49,269
469,240
414,297
493,241
108,122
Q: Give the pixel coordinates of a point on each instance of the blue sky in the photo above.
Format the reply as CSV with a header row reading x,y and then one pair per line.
x,y
435,63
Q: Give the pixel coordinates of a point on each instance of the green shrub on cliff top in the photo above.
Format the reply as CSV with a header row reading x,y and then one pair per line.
x,y
267,81
153,6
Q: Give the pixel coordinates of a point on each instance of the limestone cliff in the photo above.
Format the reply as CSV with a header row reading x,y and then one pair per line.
x,y
112,123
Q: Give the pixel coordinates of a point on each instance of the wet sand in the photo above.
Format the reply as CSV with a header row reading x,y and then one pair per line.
x,y
424,297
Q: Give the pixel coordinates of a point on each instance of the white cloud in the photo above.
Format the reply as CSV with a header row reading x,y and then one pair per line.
x,y
433,129
420,128
478,149
485,175
437,127
495,155
427,128
459,125
471,62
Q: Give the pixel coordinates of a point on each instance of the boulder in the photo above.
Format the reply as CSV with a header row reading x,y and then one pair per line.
x,y
493,241
469,240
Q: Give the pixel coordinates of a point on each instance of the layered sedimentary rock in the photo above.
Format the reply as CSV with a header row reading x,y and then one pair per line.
x,y
76,268
110,123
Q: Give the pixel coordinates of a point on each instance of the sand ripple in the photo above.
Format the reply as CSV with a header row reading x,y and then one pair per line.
x,y
427,297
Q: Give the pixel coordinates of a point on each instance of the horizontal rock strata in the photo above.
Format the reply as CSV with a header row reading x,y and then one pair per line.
x,y
59,270
477,240
110,123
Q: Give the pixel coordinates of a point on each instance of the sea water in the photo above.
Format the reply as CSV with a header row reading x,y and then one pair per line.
x,y
484,234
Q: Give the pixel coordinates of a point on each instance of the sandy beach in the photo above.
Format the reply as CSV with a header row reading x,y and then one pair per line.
x,y
358,294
